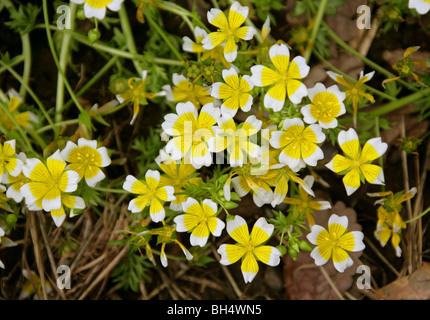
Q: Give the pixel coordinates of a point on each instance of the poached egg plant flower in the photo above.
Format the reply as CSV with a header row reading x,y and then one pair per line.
x,y
86,159
335,242
285,79
357,163
422,6
151,194
249,247
200,219
229,30
9,162
326,105
97,8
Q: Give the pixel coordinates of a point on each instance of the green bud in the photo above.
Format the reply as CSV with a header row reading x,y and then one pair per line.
x,y
93,35
305,246
220,193
282,249
234,196
276,117
118,84
230,205
294,246
80,14
293,253
11,219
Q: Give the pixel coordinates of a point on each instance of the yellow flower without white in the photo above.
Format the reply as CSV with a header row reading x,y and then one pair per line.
x,y
200,219
299,144
24,119
137,94
97,8
177,174
183,91
9,162
234,92
422,6
229,30
150,193
285,80
306,205
86,159
326,105
357,163
237,140
354,92
249,247
49,186
191,131
335,242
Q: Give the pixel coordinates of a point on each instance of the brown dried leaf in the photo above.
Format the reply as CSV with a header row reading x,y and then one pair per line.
x,y
413,287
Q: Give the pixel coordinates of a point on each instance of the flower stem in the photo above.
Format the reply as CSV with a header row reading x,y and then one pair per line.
x,y
315,28
26,52
419,216
125,25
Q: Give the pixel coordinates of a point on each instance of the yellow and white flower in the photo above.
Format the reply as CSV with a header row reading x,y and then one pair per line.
x,y
49,186
229,30
299,144
422,6
191,131
335,242
249,247
237,140
177,174
234,92
184,90
2,233
97,8
200,219
15,183
285,80
86,159
357,163
24,119
326,105
9,162
151,194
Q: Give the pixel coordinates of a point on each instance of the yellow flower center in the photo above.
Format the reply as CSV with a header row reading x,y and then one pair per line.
x,y
98,3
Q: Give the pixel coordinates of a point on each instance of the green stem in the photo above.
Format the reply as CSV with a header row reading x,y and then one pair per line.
x,y
419,216
30,91
365,60
26,52
101,189
64,55
164,36
15,61
125,25
57,124
316,27
55,57
396,104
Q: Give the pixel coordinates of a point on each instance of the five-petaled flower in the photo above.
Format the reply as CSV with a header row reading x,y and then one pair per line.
x,y
191,131
200,219
335,242
326,105
184,90
23,119
304,204
250,247
49,186
354,92
285,80
229,30
235,92
137,94
299,144
151,194
86,159
357,163
9,162
97,8
237,140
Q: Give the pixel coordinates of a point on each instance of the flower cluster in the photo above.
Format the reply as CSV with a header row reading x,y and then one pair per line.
x,y
264,155
49,184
